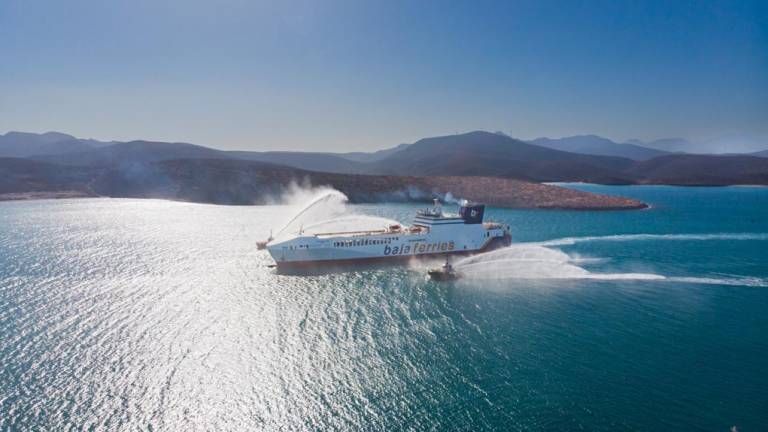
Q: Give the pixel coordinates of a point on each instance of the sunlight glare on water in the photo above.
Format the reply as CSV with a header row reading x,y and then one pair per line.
x,y
138,314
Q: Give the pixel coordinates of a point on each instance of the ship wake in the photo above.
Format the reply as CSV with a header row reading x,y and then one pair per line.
x,y
533,261
569,241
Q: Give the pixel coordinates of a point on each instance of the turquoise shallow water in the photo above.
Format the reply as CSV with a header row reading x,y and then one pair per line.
x,y
131,314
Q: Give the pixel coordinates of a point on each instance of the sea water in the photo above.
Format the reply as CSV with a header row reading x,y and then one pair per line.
x,y
121,314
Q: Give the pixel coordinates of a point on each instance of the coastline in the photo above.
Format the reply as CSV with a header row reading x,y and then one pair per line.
x,y
37,196
562,184
524,196
7,198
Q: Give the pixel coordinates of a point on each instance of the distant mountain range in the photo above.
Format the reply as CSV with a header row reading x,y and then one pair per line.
x,y
371,157
484,153
728,144
587,158
24,144
596,145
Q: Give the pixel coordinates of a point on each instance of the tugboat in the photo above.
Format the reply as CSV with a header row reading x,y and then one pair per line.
x,y
444,274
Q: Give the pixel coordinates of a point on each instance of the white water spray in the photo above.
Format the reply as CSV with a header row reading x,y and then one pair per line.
x,y
537,260
326,211
533,261
732,280
326,204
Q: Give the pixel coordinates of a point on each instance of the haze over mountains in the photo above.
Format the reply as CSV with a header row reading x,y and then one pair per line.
x,y
60,162
25,144
596,145
727,144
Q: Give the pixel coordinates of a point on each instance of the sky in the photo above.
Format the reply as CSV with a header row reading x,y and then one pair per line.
x,y
364,75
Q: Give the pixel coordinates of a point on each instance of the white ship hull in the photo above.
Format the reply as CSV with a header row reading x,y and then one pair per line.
x,y
433,234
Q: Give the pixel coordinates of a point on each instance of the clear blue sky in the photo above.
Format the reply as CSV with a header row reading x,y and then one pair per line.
x,y
333,75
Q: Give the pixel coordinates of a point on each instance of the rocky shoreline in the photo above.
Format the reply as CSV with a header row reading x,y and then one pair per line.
x,y
511,193
29,196
234,182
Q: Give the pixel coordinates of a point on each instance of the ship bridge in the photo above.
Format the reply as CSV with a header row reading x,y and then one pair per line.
x,y
469,214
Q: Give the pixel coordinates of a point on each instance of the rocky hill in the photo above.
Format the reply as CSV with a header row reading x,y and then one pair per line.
x,y
703,170
472,154
238,182
488,154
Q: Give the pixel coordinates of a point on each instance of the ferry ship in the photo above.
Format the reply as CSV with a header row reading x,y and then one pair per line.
x,y
433,233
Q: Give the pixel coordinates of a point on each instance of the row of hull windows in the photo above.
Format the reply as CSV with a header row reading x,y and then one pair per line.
x,y
349,243
353,243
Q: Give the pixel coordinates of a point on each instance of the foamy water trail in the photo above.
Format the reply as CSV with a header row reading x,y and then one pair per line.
x,y
567,241
533,261
733,281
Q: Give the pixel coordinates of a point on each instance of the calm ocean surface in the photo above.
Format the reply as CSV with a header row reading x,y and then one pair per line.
x,y
154,315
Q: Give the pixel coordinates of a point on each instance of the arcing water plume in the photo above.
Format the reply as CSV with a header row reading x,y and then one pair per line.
x,y
323,210
349,223
326,204
533,261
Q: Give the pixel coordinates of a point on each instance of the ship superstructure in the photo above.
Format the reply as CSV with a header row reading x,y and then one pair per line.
x,y
433,233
